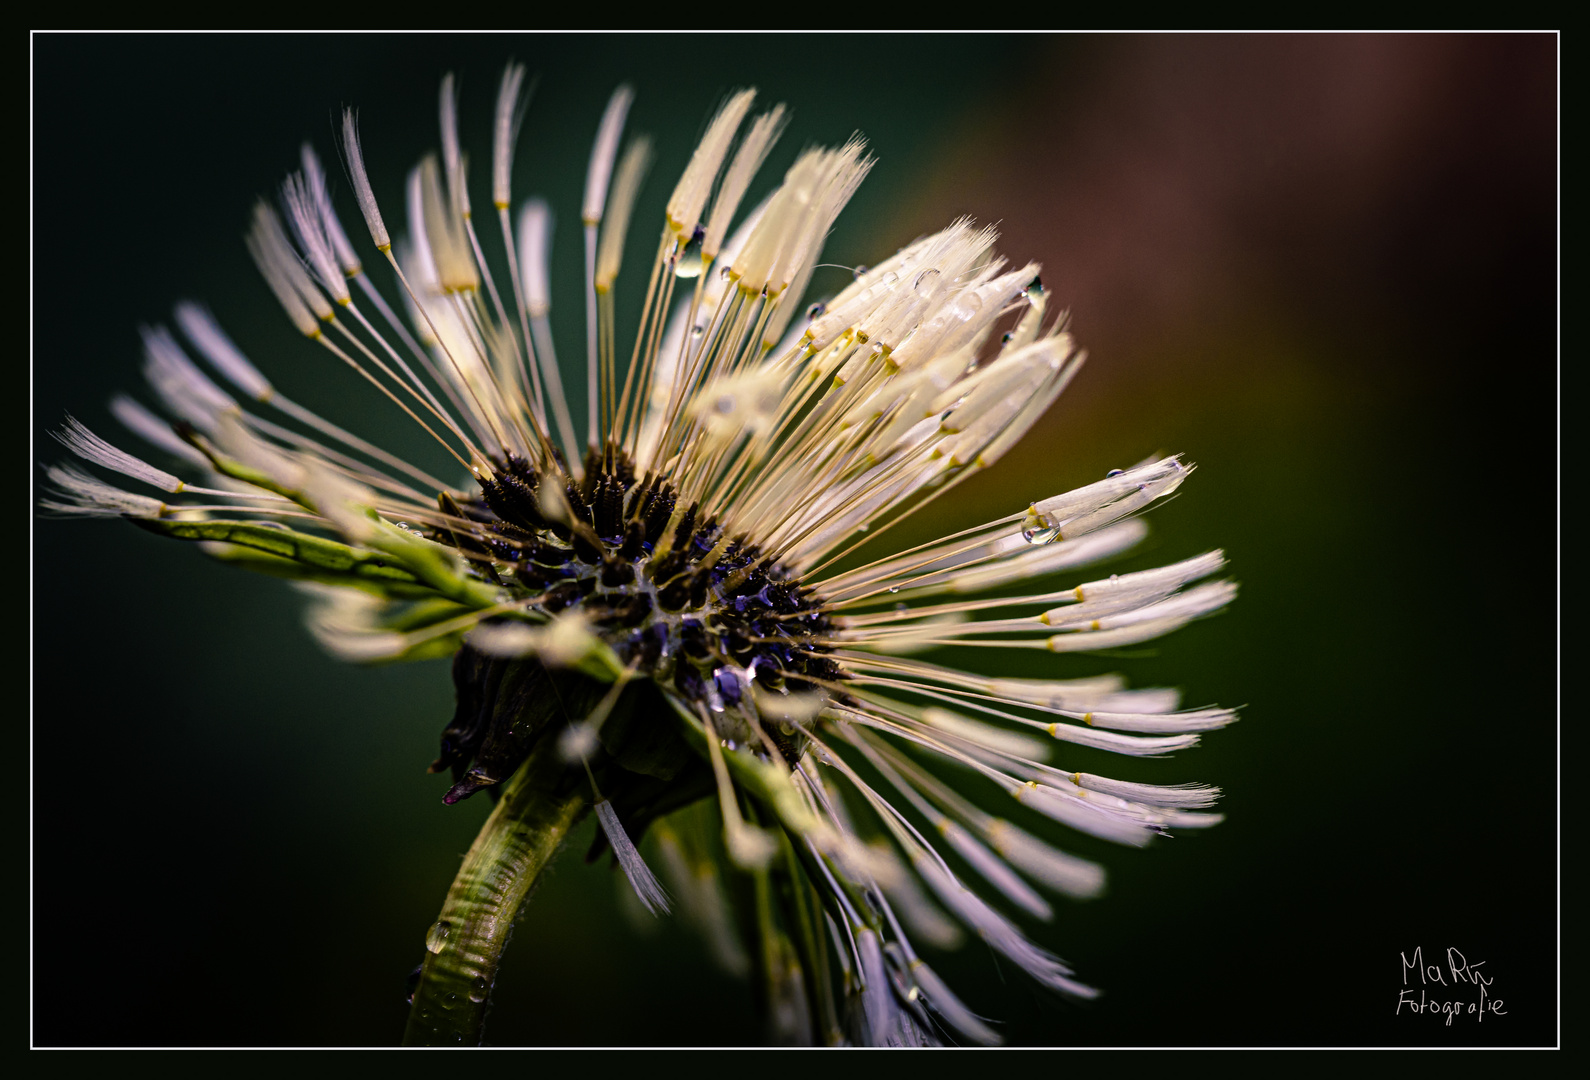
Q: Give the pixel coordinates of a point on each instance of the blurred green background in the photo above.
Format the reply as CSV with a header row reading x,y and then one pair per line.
x,y
1323,267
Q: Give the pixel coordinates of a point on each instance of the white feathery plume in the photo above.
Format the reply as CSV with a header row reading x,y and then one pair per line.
x,y
641,879
77,438
361,181
315,181
620,204
216,347
81,493
153,430
603,153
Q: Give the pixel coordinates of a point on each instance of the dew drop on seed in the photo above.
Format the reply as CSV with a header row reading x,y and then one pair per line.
x,y
689,264
696,331
894,588
1113,472
478,988
436,936
724,274
859,270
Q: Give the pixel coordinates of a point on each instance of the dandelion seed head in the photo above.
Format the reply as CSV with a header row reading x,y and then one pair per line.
x,y
692,598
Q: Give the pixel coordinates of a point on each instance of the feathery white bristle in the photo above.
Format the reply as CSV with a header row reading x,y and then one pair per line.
x,y
1178,796
1192,720
535,255
275,256
1083,816
444,232
1000,933
452,153
1131,745
341,501
315,180
641,879
216,347
603,153
748,158
1064,873
620,204
994,738
181,385
505,133
347,624
297,311
690,194
878,1005
94,498
994,870
926,921
303,217
361,181
950,1008
153,430
77,438
235,440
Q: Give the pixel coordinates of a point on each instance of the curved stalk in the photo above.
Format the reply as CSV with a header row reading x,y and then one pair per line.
x,y
538,807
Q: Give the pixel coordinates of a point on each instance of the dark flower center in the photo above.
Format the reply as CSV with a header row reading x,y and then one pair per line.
x,y
704,614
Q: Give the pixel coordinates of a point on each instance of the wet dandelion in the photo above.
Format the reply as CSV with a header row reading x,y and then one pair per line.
x,y
683,612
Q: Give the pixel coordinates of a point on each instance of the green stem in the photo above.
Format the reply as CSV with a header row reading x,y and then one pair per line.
x,y
539,805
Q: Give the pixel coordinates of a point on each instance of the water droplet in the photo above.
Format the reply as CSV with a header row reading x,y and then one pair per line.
x,y
688,264
815,310
697,331
1040,536
725,273
859,270
1035,287
1005,339
436,936
478,989
894,588
1113,472
926,277
1115,577
450,1001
